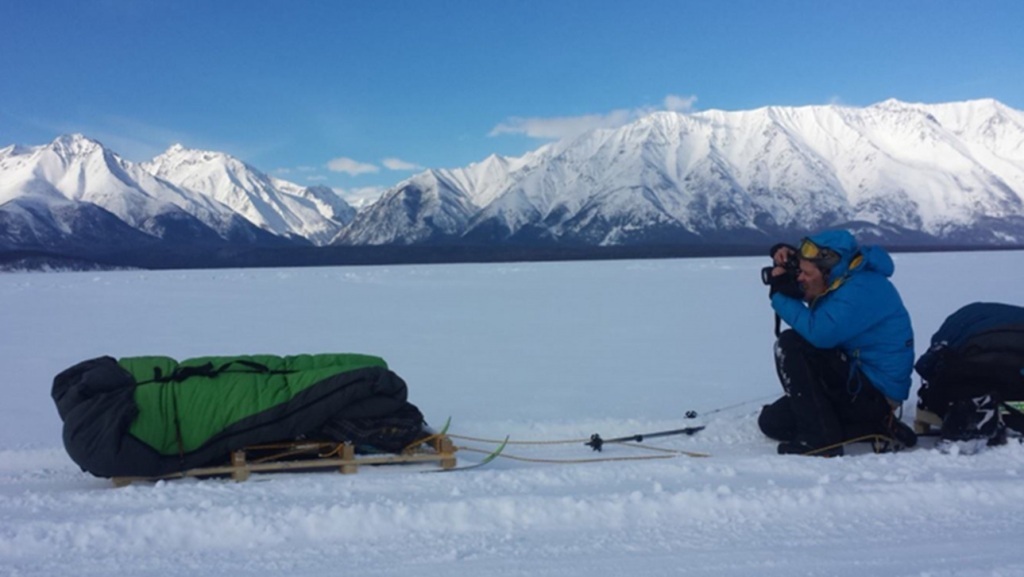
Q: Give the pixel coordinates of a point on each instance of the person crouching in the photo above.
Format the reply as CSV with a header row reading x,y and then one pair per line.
x,y
846,360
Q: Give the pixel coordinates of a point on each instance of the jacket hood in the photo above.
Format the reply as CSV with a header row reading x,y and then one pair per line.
x,y
873,258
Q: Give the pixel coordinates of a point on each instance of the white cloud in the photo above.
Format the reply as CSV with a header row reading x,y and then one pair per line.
x,y
351,167
677,103
561,127
399,164
302,169
355,168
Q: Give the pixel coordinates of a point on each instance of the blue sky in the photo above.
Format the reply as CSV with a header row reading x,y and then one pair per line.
x,y
359,94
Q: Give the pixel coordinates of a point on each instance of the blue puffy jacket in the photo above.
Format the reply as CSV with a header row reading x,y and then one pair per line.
x,y
861,314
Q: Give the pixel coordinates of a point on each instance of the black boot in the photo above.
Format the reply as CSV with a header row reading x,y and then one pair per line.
x,y
901,432
778,421
976,418
971,424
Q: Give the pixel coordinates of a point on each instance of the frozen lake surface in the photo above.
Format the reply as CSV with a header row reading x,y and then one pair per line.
x,y
538,351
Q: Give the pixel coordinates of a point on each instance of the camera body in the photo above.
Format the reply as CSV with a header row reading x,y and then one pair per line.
x,y
791,267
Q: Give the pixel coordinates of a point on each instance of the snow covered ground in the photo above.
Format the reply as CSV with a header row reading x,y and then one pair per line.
x,y
537,351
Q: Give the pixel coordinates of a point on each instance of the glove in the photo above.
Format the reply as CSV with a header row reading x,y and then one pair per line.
x,y
775,248
787,285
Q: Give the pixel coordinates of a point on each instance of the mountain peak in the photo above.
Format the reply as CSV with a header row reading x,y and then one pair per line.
x,y
180,151
72,138
75,144
274,205
891,103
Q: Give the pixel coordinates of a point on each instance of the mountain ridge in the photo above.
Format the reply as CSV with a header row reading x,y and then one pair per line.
x,y
62,195
936,169
895,172
273,204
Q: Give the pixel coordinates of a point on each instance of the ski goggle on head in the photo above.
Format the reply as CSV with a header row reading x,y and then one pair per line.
x,y
819,255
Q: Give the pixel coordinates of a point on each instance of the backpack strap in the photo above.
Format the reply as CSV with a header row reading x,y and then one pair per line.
x,y
208,370
181,373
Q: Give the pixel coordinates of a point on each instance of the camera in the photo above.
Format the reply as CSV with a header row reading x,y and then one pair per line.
x,y
791,267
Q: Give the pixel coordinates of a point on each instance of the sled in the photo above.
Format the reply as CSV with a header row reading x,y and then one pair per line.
x,y
155,417
309,456
926,421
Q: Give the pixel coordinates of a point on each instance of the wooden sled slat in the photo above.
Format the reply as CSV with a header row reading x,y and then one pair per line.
x,y
925,420
347,462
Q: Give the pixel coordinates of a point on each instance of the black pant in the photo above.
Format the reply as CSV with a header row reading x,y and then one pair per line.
x,y
827,401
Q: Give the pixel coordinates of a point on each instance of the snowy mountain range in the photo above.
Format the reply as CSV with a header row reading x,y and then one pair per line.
x,y
911,173
74,195
951,172
316,213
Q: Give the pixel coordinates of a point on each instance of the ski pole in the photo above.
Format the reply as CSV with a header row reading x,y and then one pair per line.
x,y
596,442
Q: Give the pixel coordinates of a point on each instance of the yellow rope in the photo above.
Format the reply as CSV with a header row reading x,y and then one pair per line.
x,y
569,461
277,456
335,451
574,441
307,447
671,452
408,448
499,441
297,448
336,448
580,441
873,437
662,449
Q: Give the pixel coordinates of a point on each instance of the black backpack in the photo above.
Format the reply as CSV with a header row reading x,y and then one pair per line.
x,y
978,351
